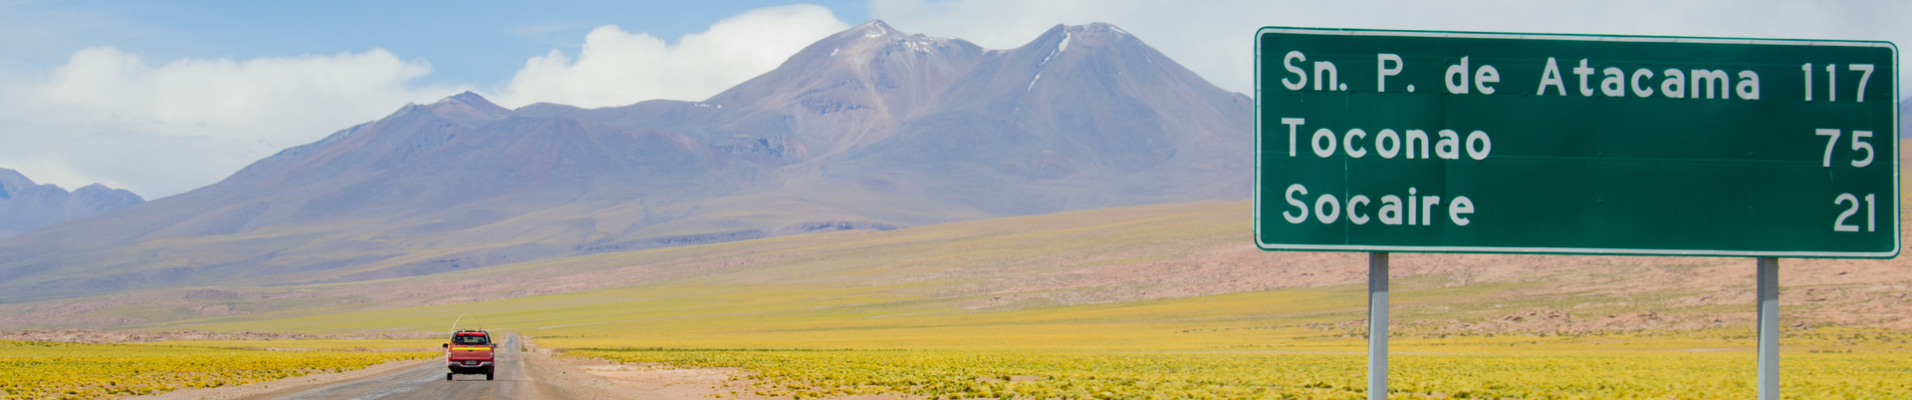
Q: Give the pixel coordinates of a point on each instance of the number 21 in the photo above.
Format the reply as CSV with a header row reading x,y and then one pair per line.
x,y
1840,225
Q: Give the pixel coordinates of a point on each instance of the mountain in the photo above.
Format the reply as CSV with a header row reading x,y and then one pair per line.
x,y
871,128
25,205
874,109
1082,117
1905,118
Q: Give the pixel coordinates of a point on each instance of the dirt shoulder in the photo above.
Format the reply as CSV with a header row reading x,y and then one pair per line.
x,y
577,383
664,382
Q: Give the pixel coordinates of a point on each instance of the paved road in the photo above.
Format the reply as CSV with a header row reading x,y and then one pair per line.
x,y
513,380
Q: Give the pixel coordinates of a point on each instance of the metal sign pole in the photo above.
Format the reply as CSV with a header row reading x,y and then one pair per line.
x,y
1378,326
1768,328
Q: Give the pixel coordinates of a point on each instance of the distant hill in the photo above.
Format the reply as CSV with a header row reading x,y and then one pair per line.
x,y
1905,118
25,205
870,128
1163,268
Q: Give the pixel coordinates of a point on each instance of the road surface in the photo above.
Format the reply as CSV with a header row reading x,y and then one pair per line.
x,y
518,376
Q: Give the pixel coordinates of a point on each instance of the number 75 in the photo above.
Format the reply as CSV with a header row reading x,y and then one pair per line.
x,y
1858,144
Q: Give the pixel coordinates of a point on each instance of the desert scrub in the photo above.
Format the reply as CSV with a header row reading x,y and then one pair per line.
x,y
1112,375
49,370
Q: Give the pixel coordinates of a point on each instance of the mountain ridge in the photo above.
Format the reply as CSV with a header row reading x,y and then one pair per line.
x,y
26,205
870,128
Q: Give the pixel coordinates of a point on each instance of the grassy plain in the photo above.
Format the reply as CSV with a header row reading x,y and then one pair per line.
x,y
430,345
1230,375
43,370
1138,302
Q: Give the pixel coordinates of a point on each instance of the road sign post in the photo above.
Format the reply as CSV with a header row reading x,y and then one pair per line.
x,y
1377,326
1768,289
1465,142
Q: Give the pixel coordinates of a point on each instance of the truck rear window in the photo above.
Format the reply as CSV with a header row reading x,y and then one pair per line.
x,y
468,339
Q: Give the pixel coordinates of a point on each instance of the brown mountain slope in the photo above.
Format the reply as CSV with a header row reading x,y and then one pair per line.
x,y
1104,256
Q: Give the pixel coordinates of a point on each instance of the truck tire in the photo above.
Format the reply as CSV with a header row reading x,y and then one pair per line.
x,y
489,370
448,376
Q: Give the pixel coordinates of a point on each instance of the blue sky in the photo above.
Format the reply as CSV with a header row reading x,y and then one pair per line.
x,y
161,97
465,41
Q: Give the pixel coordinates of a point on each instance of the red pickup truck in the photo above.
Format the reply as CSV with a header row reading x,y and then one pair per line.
x,y
470,352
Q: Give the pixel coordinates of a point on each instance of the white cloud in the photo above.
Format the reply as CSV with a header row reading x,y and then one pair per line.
x,y
107,116
616,67
1216,38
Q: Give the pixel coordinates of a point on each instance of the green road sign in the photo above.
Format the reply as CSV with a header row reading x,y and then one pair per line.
x,y
1398,141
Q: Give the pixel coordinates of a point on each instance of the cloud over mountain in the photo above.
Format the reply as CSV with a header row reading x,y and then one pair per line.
x,y
112,116
617,67
868,128
162,128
